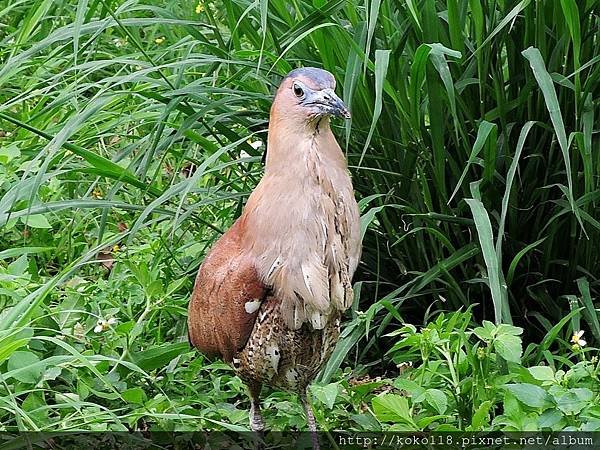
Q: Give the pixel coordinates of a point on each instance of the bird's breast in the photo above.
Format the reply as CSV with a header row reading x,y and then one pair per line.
x,y
302,226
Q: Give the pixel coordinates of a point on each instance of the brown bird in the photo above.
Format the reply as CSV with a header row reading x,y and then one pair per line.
x,y
269,296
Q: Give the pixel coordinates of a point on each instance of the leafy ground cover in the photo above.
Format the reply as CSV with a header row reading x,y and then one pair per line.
x,y
131,133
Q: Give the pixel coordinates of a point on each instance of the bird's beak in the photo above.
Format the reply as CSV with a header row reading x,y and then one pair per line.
x,y
330,103
339,108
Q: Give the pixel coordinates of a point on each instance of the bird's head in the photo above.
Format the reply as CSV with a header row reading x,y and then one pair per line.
x,y
307,94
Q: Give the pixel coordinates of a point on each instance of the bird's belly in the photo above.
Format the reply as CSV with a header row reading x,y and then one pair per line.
x,y
283,358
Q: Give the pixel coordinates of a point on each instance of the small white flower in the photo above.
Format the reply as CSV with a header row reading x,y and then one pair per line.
x,y
104,325
256,144
577,339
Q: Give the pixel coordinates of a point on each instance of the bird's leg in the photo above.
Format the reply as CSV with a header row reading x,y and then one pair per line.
x,y
256,421
310,419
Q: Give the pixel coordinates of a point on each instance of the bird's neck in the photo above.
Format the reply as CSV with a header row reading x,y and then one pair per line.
x,y
290,144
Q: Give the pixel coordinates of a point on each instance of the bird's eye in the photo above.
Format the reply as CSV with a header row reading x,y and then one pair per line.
x,y
298,91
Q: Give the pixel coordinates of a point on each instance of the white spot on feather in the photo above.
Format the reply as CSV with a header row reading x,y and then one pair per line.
x,y
317,320
252,307
261,316
337,291
276,265
292,378
316,284
274,356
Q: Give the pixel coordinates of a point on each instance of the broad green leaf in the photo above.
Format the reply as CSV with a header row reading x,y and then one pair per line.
x,y
479,419
134,395
530,395
392,408
25,366
483,333
36,221
508,347
413,388
8,153
326,394
550,418
574,400
437,399
159,356
542,373
19,266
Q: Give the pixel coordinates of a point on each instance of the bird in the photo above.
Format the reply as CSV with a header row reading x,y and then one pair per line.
x,y
270,294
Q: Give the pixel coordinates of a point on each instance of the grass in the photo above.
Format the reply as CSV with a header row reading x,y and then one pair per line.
x,y
130,137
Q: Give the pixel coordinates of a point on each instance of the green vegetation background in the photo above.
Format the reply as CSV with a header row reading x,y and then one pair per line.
x,y
131,132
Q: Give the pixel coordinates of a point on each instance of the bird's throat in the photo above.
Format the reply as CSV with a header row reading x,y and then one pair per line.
x,y
291,147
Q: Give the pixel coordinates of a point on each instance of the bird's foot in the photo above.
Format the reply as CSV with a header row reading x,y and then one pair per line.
x,y
257,425
256,421
310,420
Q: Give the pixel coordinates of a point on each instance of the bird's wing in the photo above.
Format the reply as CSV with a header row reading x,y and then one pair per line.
x,y
226,298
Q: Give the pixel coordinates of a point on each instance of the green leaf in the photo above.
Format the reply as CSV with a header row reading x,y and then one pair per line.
x,y
326,394
508,188
9,344
36,408
19,266
574,400
505,328
382,58
509,347
479,419
505,21
36,221
437,399
530,395
392,408
8,153
409,386
549,418
542,373
108,167
340,352
26,364
159,356
484,130
518,257
12,252
134,395
589,312
371,23
483,333
494,272
544,80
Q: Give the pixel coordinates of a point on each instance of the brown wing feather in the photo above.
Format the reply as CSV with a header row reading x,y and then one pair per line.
x,y
218,322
